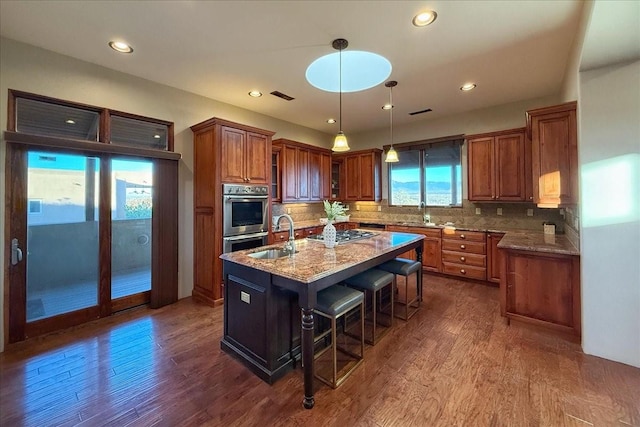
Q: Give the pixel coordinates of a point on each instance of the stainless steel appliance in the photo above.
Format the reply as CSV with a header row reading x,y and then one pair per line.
x,y
245,209
244,241
347,235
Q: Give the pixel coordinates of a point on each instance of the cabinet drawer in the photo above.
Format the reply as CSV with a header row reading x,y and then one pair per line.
x,y
464,258
311,231
463,246
429,232
469,271
471,236
280,236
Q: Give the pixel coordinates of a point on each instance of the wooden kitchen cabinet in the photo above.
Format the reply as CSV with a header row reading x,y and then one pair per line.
x,y
245,155
431,246
361,175
276,186
554,154
541,288
493,257
224,152
496,166
464,253
305,172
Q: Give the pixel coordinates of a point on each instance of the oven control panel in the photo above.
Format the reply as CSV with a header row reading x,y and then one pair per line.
x,y
249,190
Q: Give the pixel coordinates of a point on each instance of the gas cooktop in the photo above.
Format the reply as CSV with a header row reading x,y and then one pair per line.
x,y
347,235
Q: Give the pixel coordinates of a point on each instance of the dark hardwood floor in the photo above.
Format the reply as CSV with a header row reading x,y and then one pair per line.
x,y
456,362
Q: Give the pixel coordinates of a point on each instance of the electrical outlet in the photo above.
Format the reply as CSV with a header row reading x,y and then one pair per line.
x,y
529,212
562,213
379,208
478,211
499,211
576,223
245,297
357,207
288,210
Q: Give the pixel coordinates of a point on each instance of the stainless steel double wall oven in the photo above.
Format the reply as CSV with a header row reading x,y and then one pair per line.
x,y
244,216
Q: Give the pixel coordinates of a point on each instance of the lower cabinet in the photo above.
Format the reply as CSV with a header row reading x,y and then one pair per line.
x,y
464,254
254,311
541,288
493,257
431,252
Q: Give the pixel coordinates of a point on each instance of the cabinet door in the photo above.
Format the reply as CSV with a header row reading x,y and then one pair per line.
x,y
554,147
232,146
257,153
275,176
304,193
352,177
480,153
289,173
431,254
540,288
367,175
315,176
509,167
493,257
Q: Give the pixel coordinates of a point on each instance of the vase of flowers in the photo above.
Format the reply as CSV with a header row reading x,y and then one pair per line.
x,y
329,232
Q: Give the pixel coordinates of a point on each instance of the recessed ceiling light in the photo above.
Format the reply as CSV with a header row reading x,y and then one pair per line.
x,y
156,136
70,122
387,107
331,121
121,47
424,18
255,94
467,87
360,70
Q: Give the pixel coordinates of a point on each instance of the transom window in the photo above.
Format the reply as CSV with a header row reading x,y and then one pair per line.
x,y
429,174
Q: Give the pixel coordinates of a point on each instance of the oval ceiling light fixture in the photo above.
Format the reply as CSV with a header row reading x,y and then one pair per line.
x,y
467,87
387,107
424,18
70,122
331,121
360,70
121,47
255,94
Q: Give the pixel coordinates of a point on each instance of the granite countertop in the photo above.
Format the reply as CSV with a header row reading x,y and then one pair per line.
x,y
313,261
538,242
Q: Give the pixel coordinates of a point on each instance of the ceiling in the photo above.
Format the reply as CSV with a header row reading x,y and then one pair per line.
x,y
512,50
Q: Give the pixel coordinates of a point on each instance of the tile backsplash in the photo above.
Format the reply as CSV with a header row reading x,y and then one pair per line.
x,y
514,215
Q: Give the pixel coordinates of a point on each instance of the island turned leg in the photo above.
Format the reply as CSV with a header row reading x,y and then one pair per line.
x,y
419,259
307,356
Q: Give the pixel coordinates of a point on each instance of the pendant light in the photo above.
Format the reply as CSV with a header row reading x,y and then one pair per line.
x,y
340,142
392,154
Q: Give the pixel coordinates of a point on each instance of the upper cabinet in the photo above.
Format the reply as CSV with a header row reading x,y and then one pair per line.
x,y
497,166
554,149
361,175
304,172
245,156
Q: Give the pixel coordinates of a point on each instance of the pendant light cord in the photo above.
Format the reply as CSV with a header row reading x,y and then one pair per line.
x,y
391,113
340,83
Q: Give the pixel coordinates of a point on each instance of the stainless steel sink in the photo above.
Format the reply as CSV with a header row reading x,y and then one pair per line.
x,y
272,253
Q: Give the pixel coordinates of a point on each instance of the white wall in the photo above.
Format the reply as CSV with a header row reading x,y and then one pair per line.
x,y
30,69
609,156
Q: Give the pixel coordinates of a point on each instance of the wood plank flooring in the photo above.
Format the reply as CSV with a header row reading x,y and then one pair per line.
x,y
456,362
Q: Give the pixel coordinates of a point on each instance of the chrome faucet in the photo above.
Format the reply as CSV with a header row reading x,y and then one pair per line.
x,y
290,245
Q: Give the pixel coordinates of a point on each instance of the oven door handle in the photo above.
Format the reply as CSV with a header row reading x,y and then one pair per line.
x,y
246,197
245,237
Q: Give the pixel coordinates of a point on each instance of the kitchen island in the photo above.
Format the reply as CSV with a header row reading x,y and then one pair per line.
x,y
260,326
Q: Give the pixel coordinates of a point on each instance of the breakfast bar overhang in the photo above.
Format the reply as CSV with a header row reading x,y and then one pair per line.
x,y
258,292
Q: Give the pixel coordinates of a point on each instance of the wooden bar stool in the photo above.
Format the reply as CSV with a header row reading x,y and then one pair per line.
x,y
373,282
332,303
406,267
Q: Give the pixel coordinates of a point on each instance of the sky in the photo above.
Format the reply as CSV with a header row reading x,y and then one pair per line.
x,y
46,160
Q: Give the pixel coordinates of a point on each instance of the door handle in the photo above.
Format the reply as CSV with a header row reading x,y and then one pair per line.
x,y
16,252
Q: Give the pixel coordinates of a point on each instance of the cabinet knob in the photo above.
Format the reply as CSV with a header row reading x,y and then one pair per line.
x,y
462,236
281,237
462,271
462,258
463,247
530,197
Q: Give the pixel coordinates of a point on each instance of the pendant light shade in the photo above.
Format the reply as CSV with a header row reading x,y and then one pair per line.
x,y
392,154
340,142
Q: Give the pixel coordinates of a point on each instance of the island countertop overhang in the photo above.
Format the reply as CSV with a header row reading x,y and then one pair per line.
x,y
313,261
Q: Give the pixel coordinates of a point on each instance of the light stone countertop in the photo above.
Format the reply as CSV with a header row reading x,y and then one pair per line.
x,y
313,261
538,242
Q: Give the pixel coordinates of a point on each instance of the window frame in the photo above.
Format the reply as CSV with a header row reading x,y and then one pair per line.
x,y
422,147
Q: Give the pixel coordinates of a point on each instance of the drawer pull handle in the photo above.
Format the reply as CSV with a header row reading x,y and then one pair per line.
x,y
462,236
281,237
462,271
462,258
463,247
